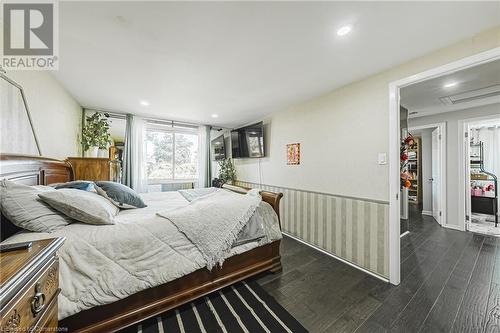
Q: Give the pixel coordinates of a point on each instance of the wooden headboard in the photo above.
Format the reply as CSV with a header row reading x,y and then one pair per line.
x,y
30,170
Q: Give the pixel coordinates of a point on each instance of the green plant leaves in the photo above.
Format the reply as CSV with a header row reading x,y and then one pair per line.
x,y
95,132
227,172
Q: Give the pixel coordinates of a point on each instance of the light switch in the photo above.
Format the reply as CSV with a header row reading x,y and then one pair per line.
x,y
382,158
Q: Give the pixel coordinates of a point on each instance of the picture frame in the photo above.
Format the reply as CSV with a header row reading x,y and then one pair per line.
x,y
293,154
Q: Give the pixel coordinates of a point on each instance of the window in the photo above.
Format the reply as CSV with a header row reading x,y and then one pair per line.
x,y
171,155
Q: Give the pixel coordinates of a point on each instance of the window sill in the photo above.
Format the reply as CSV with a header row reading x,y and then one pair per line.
x,y
176,181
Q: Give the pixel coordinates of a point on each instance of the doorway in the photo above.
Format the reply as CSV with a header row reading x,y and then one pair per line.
x,y
481,161
395,137
427,193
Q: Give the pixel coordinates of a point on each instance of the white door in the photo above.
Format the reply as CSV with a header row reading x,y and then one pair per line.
x,y
468,211
436,179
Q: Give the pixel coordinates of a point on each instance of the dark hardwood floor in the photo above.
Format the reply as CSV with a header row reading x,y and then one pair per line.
x,y
450,282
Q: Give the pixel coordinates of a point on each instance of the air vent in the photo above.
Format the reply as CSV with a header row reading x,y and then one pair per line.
x,y
471,95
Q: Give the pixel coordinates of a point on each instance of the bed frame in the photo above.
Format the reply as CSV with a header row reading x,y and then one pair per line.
x,y
31,170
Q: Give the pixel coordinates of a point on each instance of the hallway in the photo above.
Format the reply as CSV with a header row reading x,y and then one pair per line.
x,y
450,283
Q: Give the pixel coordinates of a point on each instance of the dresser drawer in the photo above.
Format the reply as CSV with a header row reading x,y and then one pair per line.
x,y
48,320
32,302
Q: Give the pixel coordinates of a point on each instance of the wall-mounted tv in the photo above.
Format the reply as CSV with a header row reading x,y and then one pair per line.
x,y
248,141
218,148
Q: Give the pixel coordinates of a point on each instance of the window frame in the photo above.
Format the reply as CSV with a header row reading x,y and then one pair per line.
x,y
173,128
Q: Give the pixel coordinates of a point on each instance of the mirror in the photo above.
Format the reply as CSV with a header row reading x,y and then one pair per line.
x,y
18,135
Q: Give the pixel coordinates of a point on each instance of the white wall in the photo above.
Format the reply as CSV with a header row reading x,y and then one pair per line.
x,y
342,132
452,140
55,113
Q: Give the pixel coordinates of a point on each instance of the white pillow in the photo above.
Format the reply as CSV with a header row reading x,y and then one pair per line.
x,y
84,206
22,206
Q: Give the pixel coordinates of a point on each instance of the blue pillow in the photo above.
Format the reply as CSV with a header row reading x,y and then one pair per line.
x,y
77,185
122,196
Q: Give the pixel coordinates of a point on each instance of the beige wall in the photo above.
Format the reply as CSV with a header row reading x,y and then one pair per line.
x,y
342,132
55,113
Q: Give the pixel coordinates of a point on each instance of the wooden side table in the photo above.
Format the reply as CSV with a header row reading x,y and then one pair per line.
x,y
29,286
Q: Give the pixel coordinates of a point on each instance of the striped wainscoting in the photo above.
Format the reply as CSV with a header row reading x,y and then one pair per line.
x,y
354,229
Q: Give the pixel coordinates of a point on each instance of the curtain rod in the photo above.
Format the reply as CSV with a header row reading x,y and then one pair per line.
x,y
123,115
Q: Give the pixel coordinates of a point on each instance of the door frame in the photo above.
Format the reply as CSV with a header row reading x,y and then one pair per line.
x,y
443,168
464,171
395,141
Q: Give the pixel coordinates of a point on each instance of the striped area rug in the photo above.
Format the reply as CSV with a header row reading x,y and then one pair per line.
x,y
243,307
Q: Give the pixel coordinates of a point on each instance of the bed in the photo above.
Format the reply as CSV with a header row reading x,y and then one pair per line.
x,y
122,310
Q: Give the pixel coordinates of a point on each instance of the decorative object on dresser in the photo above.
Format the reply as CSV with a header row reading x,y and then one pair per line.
x,y
95,135
29,286
91,168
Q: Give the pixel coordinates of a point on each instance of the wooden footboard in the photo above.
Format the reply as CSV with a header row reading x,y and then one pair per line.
x,y
271,198
153,301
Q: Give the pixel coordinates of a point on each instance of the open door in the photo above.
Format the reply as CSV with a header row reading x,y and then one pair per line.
x,y
436,175
467,152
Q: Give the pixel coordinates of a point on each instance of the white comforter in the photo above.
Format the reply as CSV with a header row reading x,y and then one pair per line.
x,y
102,264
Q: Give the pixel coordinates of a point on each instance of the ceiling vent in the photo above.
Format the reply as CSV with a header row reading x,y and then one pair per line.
x,y
471,95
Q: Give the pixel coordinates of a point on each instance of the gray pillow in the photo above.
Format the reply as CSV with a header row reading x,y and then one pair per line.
x,y
87,207
122,196
77,185
22,206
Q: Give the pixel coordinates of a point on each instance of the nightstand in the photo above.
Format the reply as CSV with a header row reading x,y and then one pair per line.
x,y
29,286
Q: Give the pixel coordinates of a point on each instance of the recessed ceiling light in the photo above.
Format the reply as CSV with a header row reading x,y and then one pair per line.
x,y
344,30
450,84
215,115
144,103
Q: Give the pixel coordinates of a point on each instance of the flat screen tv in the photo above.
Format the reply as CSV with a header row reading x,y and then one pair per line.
x,y
248,141
218,148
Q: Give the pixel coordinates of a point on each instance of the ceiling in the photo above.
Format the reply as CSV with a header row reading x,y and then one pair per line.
x,y
243,60
475,86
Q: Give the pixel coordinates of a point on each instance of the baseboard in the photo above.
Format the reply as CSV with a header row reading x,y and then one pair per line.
x,y
454,227
427,212
364,270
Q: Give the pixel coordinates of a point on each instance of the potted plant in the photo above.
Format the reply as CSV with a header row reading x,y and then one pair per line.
x,y
95,135
227,172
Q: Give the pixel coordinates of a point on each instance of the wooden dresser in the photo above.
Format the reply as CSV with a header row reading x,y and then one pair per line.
x,y
91,168
29,286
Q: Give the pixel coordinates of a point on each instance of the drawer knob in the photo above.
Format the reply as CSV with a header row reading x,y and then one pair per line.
x,y
38,301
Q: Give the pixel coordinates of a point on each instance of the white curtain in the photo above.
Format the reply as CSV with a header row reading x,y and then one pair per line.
x,y
139,178
134,158
490,136
204,172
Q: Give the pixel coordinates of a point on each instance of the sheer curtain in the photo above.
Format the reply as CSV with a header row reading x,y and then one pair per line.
x,y
204,167
127,153
134,157
139,177
490,136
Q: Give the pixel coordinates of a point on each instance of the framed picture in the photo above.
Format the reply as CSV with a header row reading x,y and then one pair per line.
x,y
293,154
